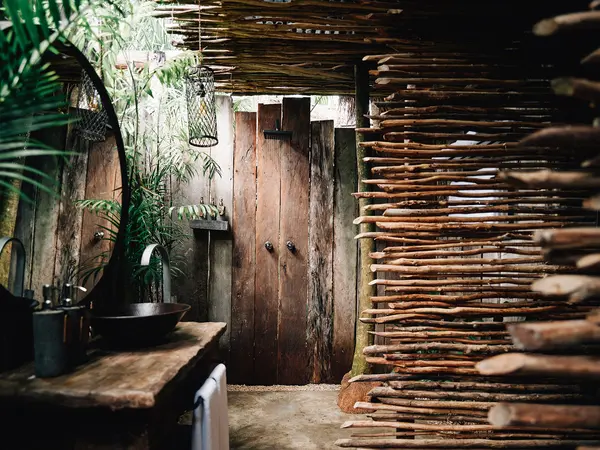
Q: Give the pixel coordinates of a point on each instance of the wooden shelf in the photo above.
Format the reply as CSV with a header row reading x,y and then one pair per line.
x,y
210,225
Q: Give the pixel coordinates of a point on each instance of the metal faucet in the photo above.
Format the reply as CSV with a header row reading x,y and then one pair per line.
x,y
166,268
20,273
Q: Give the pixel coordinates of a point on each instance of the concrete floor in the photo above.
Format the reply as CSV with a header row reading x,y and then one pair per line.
x,y
281,420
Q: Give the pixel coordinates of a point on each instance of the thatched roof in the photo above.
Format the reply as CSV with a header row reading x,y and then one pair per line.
x,y
311,46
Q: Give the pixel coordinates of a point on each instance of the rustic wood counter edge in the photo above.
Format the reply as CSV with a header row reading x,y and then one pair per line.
x,y
116,380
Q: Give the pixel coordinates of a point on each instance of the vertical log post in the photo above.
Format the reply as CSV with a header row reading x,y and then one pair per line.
x,y
365,291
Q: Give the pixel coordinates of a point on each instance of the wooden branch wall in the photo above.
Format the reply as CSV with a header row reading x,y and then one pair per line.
x,y
311,46
573,343
455,257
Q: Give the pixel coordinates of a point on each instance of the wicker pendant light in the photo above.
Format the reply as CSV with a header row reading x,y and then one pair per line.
x,y
201,107
92,118
200,97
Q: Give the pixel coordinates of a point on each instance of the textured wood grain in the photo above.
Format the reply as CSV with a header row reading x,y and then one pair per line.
x,y
268,185
293,276
221,187
192,288
365,290
25,229
243,225
345,252
47,206
69,222
103,170
117,380
320,286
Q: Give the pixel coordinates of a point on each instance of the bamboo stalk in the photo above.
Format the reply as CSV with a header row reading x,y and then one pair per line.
x,y
565,136
458,284
428,363
467,385
464,261
413,416
463,219
552,179
394,212
365,289
448,253
540,197
487,202
437,269
568,238
460,443
426,335
458,325
550,416
395,123
551,335
577,87
473,395
442,427
465,227
465,348
559,366
481,434
577,287
410,409
465,311
573,21
422,358
588,262
409,298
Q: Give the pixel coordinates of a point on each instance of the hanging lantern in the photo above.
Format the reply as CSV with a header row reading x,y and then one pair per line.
x,y
201,107
92,118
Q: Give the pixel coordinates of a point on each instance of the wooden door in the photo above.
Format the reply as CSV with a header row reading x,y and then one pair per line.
x,y
283,329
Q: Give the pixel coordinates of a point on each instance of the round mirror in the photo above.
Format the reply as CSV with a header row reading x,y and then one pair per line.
x,y
69,218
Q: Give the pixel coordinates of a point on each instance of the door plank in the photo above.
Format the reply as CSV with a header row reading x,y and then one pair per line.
x,y
293,293
47,210
243,225
345,252
268,185
103,168
219,298
320,259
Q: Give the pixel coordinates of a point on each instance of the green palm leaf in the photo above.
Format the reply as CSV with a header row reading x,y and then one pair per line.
x,y
30,95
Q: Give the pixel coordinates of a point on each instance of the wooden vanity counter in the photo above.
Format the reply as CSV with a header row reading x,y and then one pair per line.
x,y
118,399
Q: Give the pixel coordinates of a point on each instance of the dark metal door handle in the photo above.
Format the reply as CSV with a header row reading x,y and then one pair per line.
x,y
291,246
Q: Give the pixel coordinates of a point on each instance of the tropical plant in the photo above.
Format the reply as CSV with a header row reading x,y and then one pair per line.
x,y
149,102
30,95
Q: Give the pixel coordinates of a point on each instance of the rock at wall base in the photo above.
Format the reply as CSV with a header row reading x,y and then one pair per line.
x,y
350,393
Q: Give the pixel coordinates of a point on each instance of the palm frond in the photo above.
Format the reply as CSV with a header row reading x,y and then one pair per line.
x,y
30,95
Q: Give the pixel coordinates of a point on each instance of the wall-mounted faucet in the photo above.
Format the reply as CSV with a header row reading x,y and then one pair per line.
x,y
20,272
166,268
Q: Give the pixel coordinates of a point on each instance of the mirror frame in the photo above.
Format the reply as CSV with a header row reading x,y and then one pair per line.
x,y
106,291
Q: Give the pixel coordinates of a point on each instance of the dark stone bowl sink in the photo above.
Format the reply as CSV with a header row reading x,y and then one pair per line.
x,y
137,324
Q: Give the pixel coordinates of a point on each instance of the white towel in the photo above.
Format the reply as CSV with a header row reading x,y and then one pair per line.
x,y
218,374
210,429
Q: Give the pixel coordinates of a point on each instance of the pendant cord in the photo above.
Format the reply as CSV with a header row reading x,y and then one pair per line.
x,y
199,32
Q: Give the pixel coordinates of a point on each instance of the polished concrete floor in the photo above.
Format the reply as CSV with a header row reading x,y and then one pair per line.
x,y
280,420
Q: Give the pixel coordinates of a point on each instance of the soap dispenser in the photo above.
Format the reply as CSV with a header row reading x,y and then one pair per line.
x,y
77,326
49,338
48,297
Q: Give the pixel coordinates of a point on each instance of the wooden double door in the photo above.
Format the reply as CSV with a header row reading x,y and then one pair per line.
x,y
289,325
